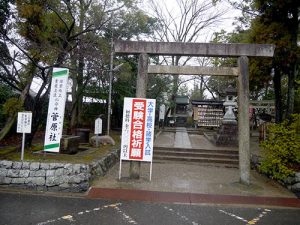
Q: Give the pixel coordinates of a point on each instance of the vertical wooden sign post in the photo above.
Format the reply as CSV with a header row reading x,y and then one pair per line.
x,y
24,126
98,129
161,116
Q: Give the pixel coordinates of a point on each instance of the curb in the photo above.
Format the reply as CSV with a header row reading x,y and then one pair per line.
x,y
188,198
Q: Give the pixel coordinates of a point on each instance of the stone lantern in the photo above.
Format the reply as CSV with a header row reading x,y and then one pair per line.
x,y
230,104
227,135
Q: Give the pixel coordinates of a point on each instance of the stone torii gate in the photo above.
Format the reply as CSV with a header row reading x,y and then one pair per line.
x,y
242,51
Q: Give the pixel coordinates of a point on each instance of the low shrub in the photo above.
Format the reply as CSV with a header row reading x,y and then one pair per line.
x,y
281,150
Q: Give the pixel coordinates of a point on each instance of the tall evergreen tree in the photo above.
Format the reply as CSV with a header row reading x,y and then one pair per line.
x,y
278,23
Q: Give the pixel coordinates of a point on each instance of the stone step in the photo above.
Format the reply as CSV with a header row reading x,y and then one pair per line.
x,y
162,161
188,130
213,154
229,151
224,156
197,159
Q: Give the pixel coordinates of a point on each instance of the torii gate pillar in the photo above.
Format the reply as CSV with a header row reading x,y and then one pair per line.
x,y
141,89
243,123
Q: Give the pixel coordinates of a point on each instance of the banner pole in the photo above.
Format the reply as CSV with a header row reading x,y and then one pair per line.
x,y
120,168
150,170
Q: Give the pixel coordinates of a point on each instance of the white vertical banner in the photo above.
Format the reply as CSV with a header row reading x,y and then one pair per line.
x,y
56,109
138,129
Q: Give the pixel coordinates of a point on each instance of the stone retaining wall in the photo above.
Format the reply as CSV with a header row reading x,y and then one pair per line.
x,y
54,176
101,167
293,183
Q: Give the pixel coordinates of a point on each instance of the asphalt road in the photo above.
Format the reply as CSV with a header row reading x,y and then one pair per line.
x,y
25,209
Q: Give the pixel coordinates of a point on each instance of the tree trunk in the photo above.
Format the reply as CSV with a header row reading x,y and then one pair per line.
x,y
39,112
175,62
37,105
80,87
294,27
11,119
77,95
8,125
278,96
78,63
201,87
291,92
74,108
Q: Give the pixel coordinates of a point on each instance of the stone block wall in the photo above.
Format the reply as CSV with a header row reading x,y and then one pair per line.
x,y
101,167
293,183
54,176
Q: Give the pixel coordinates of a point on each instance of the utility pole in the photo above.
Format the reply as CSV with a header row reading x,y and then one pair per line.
x,y
110,76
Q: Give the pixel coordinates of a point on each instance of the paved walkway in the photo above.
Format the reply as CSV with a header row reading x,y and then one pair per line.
x,y
182,139
190,182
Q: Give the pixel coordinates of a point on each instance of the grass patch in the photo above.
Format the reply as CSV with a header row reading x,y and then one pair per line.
x,y
84,156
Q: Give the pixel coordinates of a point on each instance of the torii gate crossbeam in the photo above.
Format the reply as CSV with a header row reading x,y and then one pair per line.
x,y
193,70
194,49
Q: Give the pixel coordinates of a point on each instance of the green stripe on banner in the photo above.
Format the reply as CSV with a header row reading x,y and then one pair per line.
x,y
51,146
60,73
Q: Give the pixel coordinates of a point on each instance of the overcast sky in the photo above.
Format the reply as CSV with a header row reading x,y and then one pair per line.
x,y
226,21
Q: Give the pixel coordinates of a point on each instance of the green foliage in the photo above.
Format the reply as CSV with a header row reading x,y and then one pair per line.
x,y
87,156
216,84
157,86
259,76
198,91
5,93
278,23
183,90
133,24
4,13
297,96
12,106
224,37
259,69
281,150
42,28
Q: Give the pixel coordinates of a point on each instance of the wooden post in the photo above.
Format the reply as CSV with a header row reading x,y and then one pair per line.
x,y
244,132
141,88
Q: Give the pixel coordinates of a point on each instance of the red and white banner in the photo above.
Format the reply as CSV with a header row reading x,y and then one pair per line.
x,y
138,129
